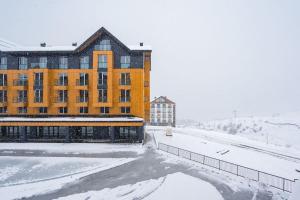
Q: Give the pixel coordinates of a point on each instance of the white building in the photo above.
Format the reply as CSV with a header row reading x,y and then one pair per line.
x,y
163,112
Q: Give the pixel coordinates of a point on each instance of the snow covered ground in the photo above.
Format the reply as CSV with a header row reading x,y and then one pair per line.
x,y
26,176
173,186
193,140
279,129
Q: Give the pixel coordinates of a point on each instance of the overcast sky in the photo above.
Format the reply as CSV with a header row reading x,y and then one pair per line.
x,y
211,57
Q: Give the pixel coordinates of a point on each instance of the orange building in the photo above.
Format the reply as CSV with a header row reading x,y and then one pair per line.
x,y
98,90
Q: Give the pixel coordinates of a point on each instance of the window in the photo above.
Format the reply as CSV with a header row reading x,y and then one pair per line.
x,y
63,62
38,79
62,96
38,96
125,61
125,96
125,110
104,45
43,110
63,110
83,110
43,62
125,79
102,95
104,110
83,79
84,62
22,96
22,80
63,79
102,61
3,96
84,96
102,79
22,110
3,109
3,79
23,63
3,63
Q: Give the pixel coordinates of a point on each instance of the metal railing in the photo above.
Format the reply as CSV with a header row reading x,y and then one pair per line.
x,y
238,170
124,81
82,82
18,82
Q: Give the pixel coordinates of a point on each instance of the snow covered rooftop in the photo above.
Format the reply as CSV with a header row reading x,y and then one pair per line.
x,y
71,119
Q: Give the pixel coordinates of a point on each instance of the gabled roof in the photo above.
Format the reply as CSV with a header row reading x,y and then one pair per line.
x,y
162,99
70,48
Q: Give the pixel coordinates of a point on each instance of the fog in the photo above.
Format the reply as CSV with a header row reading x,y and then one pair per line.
x,y
210,57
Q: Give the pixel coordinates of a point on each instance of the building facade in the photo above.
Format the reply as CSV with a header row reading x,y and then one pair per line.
x,y
95,91
163,112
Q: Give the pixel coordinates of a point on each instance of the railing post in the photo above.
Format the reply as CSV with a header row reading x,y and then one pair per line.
x,y
190,155
219,164
283,184
257,175
237,170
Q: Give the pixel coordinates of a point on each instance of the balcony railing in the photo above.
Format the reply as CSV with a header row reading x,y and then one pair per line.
x,y
102,99
61,100
38,65
3,67
20,82
59,82
82,99
20,100
125,82
124,99
82,82
38,83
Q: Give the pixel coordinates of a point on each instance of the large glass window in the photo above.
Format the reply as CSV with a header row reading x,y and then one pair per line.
x,y
83,79
83,110
43,110
38,79
104,110
3,63
22,80
22,96
63,110
102,79
63,79
125,96
62,96
102,95
103,46
43,62
3,96
102,61
3,79
23,63
84,62
125,110
83,96
3,109
125,79
63,62
125,61
38,96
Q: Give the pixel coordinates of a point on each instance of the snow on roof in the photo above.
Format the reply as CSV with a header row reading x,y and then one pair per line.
x,y
71,119
47,48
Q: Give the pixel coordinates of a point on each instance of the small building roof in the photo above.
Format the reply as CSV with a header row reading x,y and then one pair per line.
x,y
162,99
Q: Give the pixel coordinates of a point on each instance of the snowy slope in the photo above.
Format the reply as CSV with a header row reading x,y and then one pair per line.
x,y
281,129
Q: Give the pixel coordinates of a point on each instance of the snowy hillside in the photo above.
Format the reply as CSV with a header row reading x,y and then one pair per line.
x,y
279,129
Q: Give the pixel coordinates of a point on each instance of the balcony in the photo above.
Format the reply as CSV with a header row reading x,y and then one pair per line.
x,y
82,82
124,99
20,100
59,82
19,82
38,65
125,82
60,100
38,83
102,99
3,67
82,99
